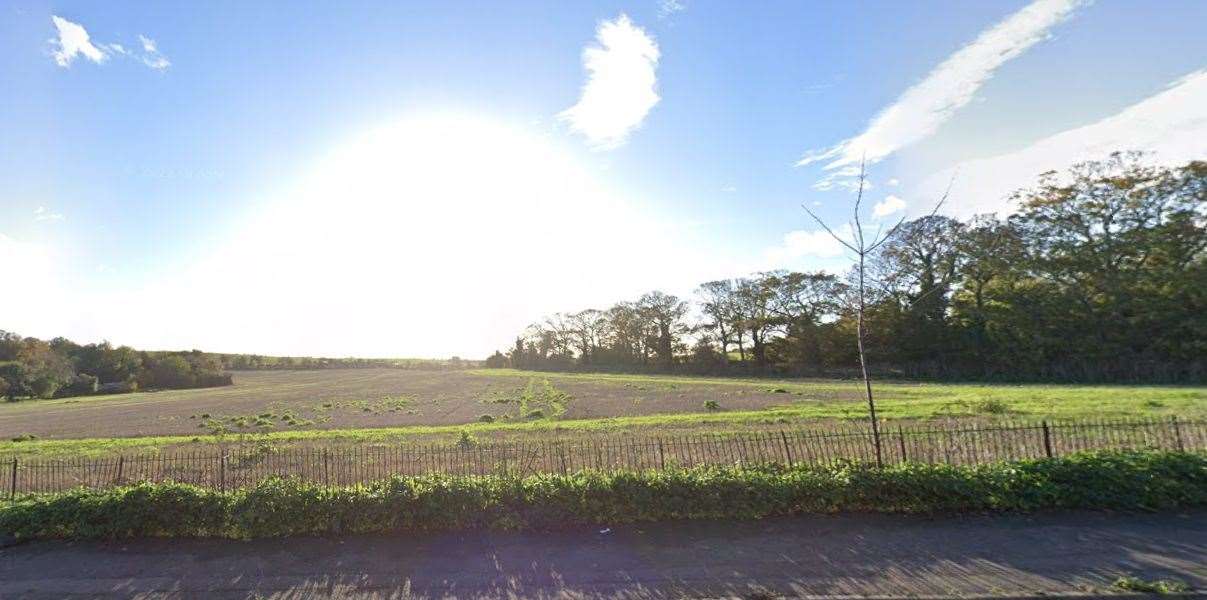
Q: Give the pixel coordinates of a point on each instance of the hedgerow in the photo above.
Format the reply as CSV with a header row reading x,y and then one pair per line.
x,y
1103,480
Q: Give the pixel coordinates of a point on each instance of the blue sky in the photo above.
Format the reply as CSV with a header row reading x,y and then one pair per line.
x,y
358,179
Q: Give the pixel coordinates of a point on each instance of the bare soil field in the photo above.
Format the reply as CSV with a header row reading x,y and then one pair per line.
x,y
353,405
366,398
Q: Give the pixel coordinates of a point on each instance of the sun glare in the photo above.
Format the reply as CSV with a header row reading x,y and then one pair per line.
x,y
396,236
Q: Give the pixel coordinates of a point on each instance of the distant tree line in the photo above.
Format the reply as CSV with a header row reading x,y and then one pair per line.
x,y
1098,276
33,368
257,362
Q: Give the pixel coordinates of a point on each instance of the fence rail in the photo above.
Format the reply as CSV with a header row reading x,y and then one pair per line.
x,y
958,444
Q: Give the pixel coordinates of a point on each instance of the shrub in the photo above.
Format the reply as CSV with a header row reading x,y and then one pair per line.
x,y
467,440
82,384
1105,480
208,379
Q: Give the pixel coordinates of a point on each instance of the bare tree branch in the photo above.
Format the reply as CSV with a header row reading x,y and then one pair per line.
x,y
828,230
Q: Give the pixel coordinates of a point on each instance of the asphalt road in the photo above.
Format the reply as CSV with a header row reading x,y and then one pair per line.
x,y
1073,554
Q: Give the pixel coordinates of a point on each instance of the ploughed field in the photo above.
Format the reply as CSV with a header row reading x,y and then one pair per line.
x,y
365,398
344,404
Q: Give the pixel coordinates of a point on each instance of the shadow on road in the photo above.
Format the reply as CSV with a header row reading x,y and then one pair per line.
x,y
847,555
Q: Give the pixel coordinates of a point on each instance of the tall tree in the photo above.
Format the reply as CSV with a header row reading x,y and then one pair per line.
x,y
665,314
718,303
755,310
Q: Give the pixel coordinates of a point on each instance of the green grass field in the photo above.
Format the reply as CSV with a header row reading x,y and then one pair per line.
x,y
447,404
842,399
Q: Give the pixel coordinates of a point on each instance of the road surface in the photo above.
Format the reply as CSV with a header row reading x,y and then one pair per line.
x,y
1074,554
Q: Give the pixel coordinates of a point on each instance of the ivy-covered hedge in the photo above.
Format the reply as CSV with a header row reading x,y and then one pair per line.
x,y
1103,480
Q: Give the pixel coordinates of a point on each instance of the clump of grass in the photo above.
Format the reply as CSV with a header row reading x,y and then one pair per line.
x,y
487,418
1156,586
24,437
711,405
991,406
467,440
778,390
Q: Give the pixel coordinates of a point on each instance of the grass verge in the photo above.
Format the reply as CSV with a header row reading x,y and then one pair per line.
x,y
1103,480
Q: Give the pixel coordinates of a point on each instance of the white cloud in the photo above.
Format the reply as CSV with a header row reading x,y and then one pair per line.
x,y
729,189
667,8
151,55
42,214
894,182
801,244
620,88
891,204
920,111
1171,125
73,41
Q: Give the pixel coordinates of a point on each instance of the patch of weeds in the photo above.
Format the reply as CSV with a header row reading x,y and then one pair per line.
x,y
24,437
991,406
778,390
467,440
540,400
381,405
395,403
487,418
987,406
253,456
1156,586
711,405
501,396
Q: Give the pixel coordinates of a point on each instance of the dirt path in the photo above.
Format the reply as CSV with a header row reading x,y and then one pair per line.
x,y
858,555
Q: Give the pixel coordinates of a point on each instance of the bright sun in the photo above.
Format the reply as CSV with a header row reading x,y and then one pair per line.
x,y
389,244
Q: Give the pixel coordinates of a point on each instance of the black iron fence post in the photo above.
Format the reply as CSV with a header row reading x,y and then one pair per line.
x,y
1177,433
1047,439
12,490
787,447
326,469
901,439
